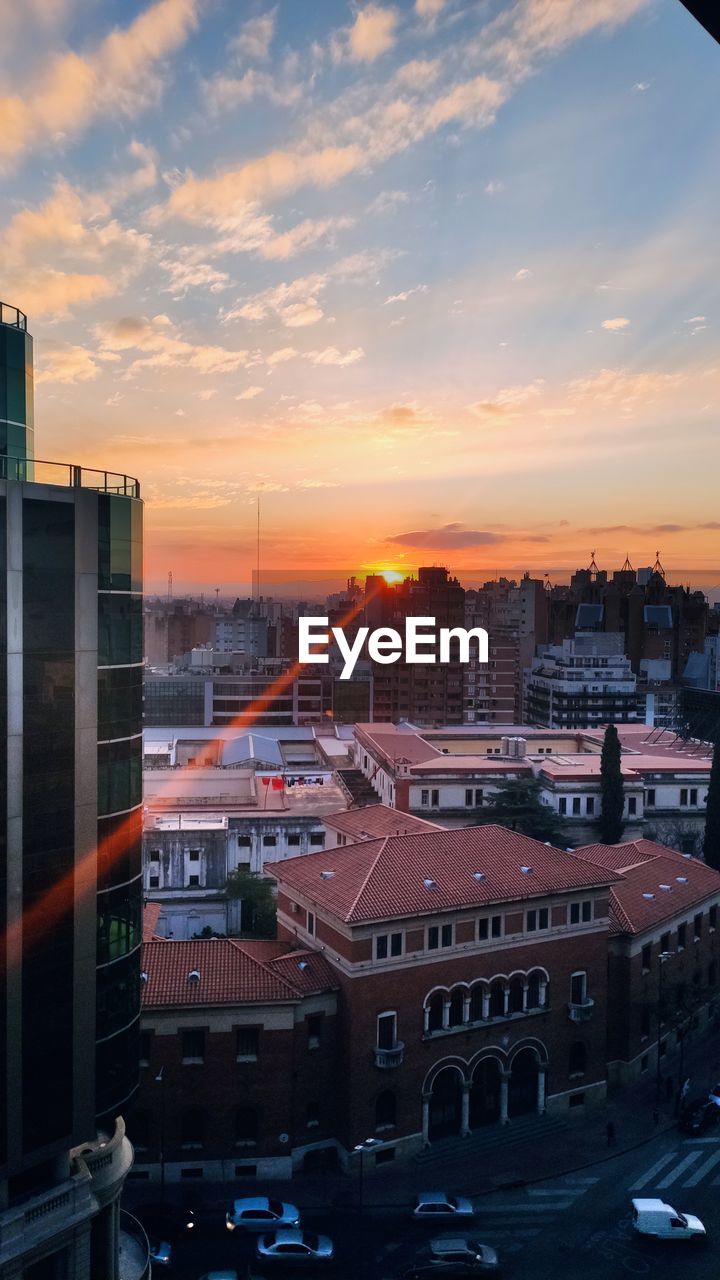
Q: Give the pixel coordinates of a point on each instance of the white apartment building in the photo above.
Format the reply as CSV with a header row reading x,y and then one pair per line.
x,y
584,682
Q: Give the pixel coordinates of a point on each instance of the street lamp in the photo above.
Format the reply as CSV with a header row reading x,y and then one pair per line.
x,y
369,1144
662,958
160,1079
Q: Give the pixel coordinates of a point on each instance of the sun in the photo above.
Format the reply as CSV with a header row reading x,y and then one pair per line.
x,y
391,575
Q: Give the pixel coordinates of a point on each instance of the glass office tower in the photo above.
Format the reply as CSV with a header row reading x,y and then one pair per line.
x,y
70,843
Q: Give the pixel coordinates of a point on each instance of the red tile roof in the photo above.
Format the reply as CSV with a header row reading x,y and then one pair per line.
x,y
231,972
385,879
151,913
638,902
375,820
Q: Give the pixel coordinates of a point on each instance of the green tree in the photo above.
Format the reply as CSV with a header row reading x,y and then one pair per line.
x,y
516,804
711,844
612,797
258,913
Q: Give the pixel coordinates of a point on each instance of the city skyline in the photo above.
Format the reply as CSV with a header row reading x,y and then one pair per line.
x,y
434,279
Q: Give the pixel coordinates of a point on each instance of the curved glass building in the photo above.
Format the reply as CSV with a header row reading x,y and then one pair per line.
x,y
70,831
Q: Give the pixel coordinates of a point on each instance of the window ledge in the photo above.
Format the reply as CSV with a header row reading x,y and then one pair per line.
x,y
484,1024
193,1062
246,1057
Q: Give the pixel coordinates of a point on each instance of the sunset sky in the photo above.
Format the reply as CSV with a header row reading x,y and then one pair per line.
x,y
438,279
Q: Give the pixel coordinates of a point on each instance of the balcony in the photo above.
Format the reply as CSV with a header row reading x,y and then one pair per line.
x,y
34,471
386,1059
582,1011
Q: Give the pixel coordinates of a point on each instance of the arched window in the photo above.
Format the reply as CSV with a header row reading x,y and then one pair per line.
x,y
517,995
192,1127
577,1059
435,1009
497,999
457,1003
385,1109
246,1126
476,1002
533,991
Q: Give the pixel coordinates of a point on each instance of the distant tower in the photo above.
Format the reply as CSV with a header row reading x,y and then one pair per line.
x,y
170,587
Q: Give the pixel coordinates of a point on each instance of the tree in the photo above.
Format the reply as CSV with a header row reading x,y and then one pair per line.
x,y
612,797
516,804
258,913
711,844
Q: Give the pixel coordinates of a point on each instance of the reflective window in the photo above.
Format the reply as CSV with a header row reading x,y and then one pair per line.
x,y
119,775
119,543
119,922
119,701
119,849
120,629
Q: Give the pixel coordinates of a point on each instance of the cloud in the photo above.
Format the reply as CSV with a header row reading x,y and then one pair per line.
x,y
331,355
120,75
696,320
619,322
55,293
250,393
523,274
447,537
255,37
493,187
63,362
641,86
429,8
302,236
372,33
186,273
295,303
207,393
403,297
507,401
281,356
223,93
163,348
388,202
419,73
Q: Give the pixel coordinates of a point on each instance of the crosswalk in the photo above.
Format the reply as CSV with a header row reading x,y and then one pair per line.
x,y
688,1165
519,1217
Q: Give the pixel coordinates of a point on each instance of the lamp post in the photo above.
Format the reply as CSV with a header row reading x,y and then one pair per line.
x,y
662,958
369,1144
160,1079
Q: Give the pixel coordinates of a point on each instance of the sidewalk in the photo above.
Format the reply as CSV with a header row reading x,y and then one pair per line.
x,y
530,1149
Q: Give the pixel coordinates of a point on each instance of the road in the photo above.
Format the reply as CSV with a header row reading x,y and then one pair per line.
x,y
571,1226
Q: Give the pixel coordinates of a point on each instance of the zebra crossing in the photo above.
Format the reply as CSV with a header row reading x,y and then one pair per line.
x,y
520,1216
689,1165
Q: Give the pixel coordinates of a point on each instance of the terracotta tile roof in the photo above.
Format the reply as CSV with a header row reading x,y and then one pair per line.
x,y
385,879
151,914
375,820
644,867
232,971
397,745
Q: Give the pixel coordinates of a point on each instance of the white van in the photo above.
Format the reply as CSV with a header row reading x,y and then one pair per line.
x,y
654,1218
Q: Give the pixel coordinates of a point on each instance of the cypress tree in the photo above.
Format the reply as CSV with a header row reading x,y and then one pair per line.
x,y
711,844
612,798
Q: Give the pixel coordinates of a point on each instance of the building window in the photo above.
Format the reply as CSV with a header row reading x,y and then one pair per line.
x,y
683,795
434,799
246,1043
578,988
712,918
293,838
646,957
576,804
496,926
388,944
435,1008
533,991
537,918
632,806
269,841
385,1110
314,1030
192,1128
425,798
439,936
468,797
693,795
497,999
644,1023
665,942
246,1127
386,1030
562,805
697,926
145,1048
193,1045
194,855
193,882
577,1059
581,912
590,805
244,842
310,923
682,935
650,798
153,881
317,837
711,973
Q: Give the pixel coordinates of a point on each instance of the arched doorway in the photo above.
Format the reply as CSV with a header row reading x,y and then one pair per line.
x,y
446,1104
522,1092
485,1093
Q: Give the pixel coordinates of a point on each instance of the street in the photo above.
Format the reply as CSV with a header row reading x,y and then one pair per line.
x,y
567,1226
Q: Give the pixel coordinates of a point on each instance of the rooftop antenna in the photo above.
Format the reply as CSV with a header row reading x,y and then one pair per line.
x,y
257,569
593,570
627,567
657,567
170,587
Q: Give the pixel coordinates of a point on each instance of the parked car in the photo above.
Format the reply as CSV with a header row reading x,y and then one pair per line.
x,y
433,1206
453,1256
654,1218
290,1246
258,1213
699,1116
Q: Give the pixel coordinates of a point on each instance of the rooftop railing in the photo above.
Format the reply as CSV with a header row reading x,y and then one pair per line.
x,y
68,475
12,316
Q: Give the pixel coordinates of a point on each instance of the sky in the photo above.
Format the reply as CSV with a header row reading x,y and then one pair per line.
x,y
437,280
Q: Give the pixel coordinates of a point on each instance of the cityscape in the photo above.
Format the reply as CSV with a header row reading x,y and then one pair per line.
x,y
360,726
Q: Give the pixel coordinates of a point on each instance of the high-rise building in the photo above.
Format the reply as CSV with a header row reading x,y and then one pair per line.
x,y
582,683
70,846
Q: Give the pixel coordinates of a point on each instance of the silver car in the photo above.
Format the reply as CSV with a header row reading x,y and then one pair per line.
x,y
433,1206
292,1247
258,1213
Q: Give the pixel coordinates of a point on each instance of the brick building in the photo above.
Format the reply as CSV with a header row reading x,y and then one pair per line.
x,y
664,952
472,968
238,1054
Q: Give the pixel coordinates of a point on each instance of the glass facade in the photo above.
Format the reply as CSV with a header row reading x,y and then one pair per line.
x,y
16,392
3,828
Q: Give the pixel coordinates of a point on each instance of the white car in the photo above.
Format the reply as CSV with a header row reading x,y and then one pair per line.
x,y
292,1246
434,1206
258,1213
655,1218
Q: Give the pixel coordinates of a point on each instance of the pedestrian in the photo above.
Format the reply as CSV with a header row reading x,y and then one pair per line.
x,y
610,1130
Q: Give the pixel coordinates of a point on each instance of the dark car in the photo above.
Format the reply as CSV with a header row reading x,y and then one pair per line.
x,y
166,1222
453,1256
699,1116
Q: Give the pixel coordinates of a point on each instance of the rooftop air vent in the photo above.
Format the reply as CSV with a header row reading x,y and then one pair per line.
x,y
648,897
302,964
666,887
687,855
143,976
681,879
527,871
478,875
430,884
194,975
326,875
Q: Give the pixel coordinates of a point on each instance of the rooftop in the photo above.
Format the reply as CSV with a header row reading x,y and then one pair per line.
x,y
212,971
68,475
655,884
236,793
375,820
434,871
